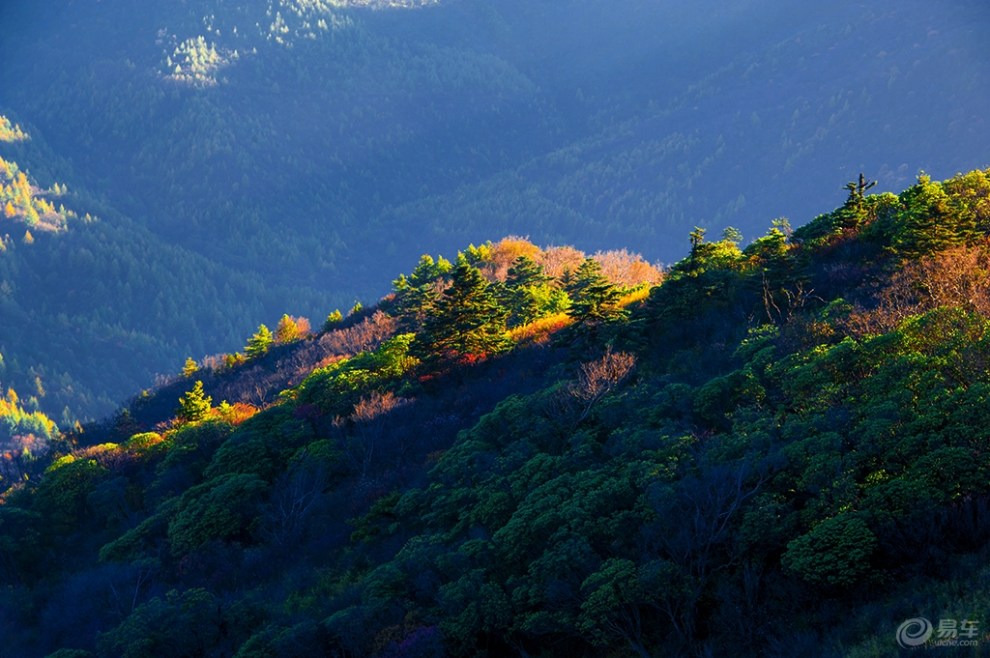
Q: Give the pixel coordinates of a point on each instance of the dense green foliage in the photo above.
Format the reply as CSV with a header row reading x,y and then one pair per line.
x,y
466,319
780,451
251,158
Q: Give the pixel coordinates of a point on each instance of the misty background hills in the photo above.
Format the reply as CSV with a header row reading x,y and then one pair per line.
x,y
248,159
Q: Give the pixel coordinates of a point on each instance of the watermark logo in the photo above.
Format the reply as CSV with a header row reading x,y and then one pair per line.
x,y
918,631
914,632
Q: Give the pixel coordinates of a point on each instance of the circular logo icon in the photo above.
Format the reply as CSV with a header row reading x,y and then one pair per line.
x,y
914,632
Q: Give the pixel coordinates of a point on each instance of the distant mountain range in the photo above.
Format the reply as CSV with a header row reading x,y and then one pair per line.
x,y
250,159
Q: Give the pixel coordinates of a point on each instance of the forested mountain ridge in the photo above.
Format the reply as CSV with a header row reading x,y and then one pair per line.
x,y
28,209
86,289
245,157
775,450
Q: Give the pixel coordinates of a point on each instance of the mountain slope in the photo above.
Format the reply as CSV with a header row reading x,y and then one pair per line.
x,y
511,455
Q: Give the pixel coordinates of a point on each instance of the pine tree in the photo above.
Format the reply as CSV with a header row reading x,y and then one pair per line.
x,y
468,320
732,234
928,222
593,298
525,272
417,294
195,404
524,278
259,343
697,238
853,212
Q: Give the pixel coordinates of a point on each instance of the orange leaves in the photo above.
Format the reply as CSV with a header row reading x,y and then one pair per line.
x,y
505,252
955,277
558,260
599,377
375,405
236,413
625,269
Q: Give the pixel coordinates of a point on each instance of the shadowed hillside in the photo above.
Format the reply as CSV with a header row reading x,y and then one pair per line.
x,y
769,450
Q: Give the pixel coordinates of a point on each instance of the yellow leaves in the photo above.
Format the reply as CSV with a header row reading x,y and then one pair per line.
x,y
190,367
22,200
11,132
291,329
64,460
23,422
539,331
44,206
144,441
637,295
